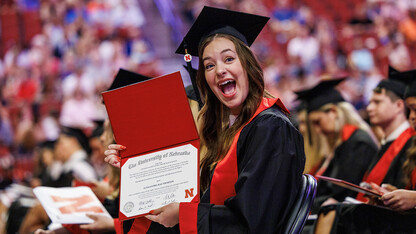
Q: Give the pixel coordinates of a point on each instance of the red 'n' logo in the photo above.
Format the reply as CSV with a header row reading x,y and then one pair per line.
x,y
76,204
189,192
187,58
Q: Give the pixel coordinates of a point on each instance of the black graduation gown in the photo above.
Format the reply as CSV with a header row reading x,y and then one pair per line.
x,y
351,160
363,218
270,161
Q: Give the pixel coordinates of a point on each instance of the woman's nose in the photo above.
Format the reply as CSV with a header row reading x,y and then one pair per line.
x,y
221,70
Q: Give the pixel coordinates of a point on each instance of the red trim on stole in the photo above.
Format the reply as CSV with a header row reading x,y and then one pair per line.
x,y
140,225
226,172
118,226
188,218
377,174
74,228
347,131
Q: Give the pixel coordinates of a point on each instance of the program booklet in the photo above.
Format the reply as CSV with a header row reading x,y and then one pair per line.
x,y
350,186
69,205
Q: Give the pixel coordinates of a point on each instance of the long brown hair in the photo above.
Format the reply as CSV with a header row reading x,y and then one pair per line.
x,y
216,135
410,164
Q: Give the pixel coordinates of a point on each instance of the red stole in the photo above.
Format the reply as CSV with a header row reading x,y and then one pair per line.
x,y
226,172
379,171
347,131
223,180
74,228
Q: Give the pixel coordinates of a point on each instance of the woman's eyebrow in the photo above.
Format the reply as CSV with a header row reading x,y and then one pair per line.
x,y
223,51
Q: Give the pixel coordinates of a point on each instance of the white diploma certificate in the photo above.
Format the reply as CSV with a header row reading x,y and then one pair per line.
x,y
154,180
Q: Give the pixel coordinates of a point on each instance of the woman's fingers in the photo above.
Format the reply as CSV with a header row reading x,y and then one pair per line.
x,y
113,154
116,147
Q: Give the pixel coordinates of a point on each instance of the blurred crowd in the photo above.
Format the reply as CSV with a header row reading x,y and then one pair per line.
x,y
57,77
54,76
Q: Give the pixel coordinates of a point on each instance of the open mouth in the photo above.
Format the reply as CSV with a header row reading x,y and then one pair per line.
x,y
228,87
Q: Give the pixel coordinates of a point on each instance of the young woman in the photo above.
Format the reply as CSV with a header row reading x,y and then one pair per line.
x,y
254,159
351,146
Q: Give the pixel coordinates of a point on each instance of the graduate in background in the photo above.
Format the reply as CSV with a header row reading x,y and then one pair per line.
x,y
349,138
387,110
405,199
252,169
316,147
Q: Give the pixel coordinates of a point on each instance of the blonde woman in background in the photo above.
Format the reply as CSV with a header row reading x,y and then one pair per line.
x,y
315,144
351,145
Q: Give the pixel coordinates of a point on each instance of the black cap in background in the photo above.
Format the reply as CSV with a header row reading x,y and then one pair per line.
x,y
79,135
321,94
210,21
408,78
125,77
392,83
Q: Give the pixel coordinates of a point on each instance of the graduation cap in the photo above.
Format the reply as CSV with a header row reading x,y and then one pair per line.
x,y
79,135
125,77
98,131
210,21
48,144
392,83
321,94
408,78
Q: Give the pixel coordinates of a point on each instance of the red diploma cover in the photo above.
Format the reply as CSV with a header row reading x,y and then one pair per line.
x,y
161,163
350,186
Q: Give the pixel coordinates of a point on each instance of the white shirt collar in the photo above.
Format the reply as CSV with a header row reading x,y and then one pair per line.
x,y
396,133
76,157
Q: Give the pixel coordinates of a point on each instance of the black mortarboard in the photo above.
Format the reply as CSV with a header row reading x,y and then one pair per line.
x,y
408,78
47,144
190,92
98,131
301,106
393,84
210,21
321,94
125,77
392,71
79,135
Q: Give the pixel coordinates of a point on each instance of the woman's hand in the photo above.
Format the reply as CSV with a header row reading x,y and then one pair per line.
x,y
101,223
375,200
400,199
112,155
329,201
168,215
101,189
60,230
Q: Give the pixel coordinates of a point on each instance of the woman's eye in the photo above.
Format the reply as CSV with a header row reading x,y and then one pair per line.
x,y
229,59
209,66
